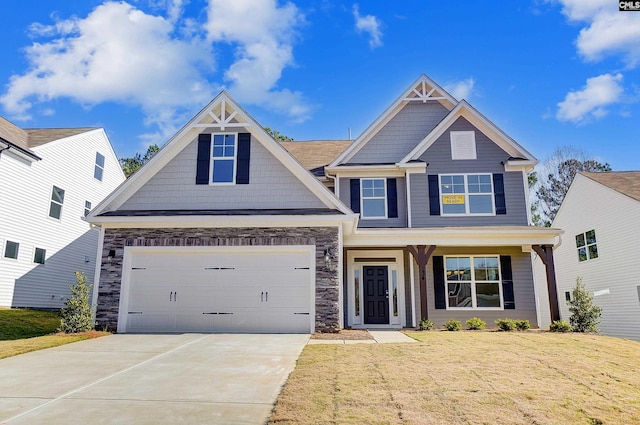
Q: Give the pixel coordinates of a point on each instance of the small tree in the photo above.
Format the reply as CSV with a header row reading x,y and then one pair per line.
x,y
585,315
76,313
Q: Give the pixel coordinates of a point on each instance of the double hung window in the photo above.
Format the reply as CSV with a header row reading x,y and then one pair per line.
x,y
57,199
99,167
466,194
374,198
223,155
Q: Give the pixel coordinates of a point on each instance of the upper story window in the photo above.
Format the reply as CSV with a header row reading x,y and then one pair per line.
x,y
473,282
466,194
11,250
99,168
57,199
87,208
587,246
463,145
223,158
374,198
39,255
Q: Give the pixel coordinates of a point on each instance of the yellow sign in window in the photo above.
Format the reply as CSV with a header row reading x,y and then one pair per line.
x,y
453,199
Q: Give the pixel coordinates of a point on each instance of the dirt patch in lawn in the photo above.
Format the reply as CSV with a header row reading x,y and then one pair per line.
x,y
467,378
348,334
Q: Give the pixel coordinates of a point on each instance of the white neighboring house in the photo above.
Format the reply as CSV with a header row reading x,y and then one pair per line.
x,y
601,219
51,179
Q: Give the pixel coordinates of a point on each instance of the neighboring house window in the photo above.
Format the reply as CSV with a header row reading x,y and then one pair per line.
x,y
223,155
57,199
587,247
463,145
99,168
87,208
11,249
466,194
473,282
39,255
374,198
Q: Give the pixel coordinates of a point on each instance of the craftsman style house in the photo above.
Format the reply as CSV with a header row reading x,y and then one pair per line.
x,y
599,215
51,179
425,215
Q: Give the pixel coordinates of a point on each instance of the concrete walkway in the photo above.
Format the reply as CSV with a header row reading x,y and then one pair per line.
x,y
149,379
379,337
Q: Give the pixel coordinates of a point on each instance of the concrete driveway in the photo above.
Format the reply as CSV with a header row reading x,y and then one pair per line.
x,y
149,379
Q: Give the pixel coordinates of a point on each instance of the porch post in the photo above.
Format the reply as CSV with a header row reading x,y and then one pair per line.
x,y
421,255
546,255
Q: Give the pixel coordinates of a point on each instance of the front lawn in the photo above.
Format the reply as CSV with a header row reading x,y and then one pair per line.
x,y
467,378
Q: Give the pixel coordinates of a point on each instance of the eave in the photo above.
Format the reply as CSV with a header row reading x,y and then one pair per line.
x,y
17,150
523,236
388,170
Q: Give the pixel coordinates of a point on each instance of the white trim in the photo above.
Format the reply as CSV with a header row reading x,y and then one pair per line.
x,y
520,165
385,170
130,251
96,274
374,198
408,188
340,280
412,281
473,283
467,195
397,266
213,159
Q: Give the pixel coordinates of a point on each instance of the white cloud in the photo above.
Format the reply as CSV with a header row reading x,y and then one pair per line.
x,y
590,102
461,89
608,32
368,24
263,34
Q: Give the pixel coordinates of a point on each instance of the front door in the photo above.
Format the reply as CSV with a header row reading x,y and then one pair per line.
x,y
376,295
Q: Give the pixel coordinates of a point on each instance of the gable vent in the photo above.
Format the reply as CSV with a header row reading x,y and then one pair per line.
x,y
463,145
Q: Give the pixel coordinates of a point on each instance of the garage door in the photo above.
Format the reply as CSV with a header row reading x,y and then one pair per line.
x,y
245,290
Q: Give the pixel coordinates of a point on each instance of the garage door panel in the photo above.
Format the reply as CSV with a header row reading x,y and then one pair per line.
x,y
287,296
150,322
194,321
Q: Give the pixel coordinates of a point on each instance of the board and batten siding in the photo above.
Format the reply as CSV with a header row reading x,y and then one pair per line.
x,y
70,243
614,217
523,288
271,186
401,134
400,221
490,159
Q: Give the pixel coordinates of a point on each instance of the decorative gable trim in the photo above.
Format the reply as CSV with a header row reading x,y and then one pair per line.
x,y
221,113
465,110
422,90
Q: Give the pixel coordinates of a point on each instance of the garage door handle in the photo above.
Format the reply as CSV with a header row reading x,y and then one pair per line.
x,y
262,296
175,296
171,296
266,297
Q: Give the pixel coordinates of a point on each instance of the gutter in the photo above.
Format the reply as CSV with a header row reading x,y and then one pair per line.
x,y
18,150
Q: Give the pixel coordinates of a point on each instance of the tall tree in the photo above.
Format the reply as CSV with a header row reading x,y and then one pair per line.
x,y
277,135
131,165
551,182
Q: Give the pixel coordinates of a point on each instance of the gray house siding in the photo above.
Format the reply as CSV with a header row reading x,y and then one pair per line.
x,y
401,134
326,276
400,221
490,159
523,287
271,186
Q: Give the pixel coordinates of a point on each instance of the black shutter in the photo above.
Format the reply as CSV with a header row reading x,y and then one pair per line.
x,y
355,195
498,191
439,289
204,156
507,282
434,195
392,198
244,155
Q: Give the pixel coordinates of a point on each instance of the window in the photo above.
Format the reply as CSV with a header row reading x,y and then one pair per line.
x,y
11,250
587,247
57,199
39,255
87,208
374,198
463,145
473,282
223,164
466,194
99,168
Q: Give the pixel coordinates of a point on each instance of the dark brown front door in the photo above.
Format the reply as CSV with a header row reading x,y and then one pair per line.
x,y
376,295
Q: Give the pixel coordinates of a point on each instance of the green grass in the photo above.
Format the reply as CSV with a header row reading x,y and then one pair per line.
x,y
467,378
23,323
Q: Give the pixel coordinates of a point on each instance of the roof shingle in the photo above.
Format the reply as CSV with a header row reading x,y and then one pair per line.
x,y
625,182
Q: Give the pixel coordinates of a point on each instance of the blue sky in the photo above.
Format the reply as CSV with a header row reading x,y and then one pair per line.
x,y
549,73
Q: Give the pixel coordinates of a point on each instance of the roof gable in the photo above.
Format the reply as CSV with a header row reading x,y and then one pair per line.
x,y
624,182
464,109
422,90
222,114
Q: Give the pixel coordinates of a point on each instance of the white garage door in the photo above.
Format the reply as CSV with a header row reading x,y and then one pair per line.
x,y
246,290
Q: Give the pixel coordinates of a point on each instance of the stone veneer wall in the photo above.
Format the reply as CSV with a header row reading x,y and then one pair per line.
x,y
327,277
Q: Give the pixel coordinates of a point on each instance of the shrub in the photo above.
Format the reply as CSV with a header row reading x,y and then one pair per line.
x,y
76,313
506,324
426,325
476,324
452,325
585,315
560,326
522,325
